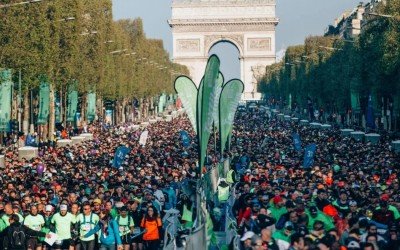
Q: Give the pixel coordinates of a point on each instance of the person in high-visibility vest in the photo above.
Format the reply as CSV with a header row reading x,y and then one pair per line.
x,y
231,177
223,190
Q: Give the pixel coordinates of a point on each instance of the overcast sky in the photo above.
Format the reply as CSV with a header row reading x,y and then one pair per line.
x,y
298,19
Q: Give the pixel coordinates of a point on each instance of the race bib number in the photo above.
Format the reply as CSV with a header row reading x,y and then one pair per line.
x,y
86,227
121,229
37,227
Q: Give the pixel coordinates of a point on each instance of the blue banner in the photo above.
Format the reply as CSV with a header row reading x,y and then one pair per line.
x,y
185,138
30,141
296,141
309,155
370,114
119,157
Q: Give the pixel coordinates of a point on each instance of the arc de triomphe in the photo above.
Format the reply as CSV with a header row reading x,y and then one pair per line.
x,y
197,25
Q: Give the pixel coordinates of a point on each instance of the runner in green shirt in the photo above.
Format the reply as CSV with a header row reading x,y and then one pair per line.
x,y
125,226
87,221
62,222
35,222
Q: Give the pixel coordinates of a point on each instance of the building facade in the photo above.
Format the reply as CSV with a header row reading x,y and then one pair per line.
x,y
198,25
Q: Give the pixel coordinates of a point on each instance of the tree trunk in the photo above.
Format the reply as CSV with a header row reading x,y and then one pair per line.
x,y
65,104
116,110
99,107
83,109
133,112
152,106
25,123
140,109
52,114
14,105
123,111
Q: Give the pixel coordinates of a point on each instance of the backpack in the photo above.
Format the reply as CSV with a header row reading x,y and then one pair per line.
x,y
129,221
90,219
17,237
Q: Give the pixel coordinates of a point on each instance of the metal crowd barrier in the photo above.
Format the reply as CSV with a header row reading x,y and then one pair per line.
x,y
209,185
197,240
230,223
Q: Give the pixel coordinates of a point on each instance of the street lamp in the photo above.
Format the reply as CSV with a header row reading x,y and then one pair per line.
x,y
118,51
115,52
379,15
130,54
343,40
66,19
20,3
89,33
329,48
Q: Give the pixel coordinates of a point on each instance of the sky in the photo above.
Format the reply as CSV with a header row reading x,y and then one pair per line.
x,y
298,19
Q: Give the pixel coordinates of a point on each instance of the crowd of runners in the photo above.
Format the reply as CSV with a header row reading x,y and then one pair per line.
x,y
348,199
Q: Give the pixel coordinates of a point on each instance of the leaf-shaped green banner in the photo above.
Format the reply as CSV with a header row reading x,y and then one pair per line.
x,y
228,103
207,96
187,92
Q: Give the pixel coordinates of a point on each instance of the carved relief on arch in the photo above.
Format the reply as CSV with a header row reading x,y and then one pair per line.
x,y
236,39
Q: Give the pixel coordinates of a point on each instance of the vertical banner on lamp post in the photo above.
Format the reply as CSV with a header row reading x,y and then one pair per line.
x,y
44,102
185,138
187,92
207,92
119,156
161,103
228,103
296,141
354,98
5,99
57,106
370,113
91,107
72,104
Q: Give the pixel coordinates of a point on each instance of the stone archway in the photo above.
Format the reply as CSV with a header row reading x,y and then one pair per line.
x,y
197,25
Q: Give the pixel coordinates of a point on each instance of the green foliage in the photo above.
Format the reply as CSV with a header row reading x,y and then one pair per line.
x,y
70,40
329,69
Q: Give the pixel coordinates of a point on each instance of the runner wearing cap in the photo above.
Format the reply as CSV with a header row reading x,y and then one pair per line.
x,y
47,215
62,222
97,206
282,237
246,241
